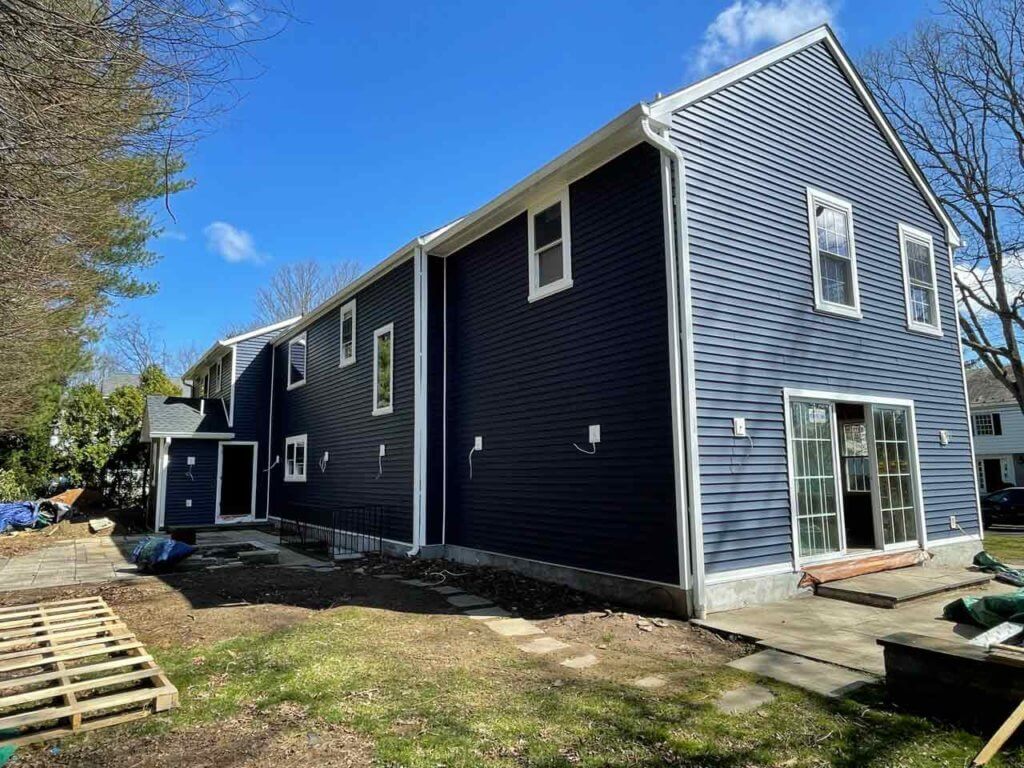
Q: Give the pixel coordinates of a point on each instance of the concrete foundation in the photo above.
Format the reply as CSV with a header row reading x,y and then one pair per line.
x,y
738,593
618,589
960,553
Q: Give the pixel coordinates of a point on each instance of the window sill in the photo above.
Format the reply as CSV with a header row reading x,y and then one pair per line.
x,y
295,479
295,385
838,310
925,330
549,290
382,411
346,363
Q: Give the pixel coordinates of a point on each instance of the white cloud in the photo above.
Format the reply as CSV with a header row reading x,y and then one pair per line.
x,y
746,25
231,243
173,234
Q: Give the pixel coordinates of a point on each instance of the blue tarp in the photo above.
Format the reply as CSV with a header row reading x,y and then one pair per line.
x,y
160,554
18,514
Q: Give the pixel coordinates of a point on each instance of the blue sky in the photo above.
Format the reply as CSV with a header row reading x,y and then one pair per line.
x,y
372,123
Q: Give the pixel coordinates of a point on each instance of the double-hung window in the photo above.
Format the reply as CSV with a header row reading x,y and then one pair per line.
x,y
295,459
383,370
988,424
297,361
833,255
922,294
550,250
348,334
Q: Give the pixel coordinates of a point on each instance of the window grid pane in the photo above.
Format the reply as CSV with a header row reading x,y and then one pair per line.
x,y
814,475
832,232
921,277
896,495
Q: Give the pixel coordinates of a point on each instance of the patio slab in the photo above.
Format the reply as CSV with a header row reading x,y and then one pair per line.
x,y
841,633
889,589
816,676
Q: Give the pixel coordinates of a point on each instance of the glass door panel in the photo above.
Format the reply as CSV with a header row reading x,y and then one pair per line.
x,y
896,505
814,477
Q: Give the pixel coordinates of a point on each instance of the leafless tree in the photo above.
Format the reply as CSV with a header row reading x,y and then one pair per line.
x,y
133,345
297,287
955,91
97,102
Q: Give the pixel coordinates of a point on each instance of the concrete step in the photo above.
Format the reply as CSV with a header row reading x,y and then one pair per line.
x,y
817,676
890,589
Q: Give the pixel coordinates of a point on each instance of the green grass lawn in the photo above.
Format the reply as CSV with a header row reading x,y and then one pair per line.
x,y
1009,549
431,690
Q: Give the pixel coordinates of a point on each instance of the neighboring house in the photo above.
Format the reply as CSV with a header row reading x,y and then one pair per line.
x,y
113,381
998,426
709,345
209,450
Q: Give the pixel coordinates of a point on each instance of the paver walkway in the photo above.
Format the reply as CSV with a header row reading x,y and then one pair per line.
x,y
107,558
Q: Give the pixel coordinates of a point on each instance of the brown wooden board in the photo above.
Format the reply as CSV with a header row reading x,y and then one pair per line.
x,y
73,666
847,569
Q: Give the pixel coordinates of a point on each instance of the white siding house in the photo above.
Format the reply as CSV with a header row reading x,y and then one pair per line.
x,y
998,426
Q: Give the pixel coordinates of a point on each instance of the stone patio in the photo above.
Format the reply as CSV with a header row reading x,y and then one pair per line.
x,y
107,558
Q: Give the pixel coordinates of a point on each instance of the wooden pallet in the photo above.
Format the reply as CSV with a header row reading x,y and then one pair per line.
x,y
72,666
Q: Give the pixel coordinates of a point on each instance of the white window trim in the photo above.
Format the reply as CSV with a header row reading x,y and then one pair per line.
x,y
305,374
343,361
291,477
536,292
390,407
912,233
820,304
991,425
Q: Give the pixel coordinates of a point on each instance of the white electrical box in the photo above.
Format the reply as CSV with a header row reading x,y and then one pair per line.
x,y
595,433
943,437
382,451
191,461
739,426
188,502
478,443
952,523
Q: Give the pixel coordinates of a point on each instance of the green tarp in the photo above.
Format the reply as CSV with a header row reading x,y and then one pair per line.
x,y
991,610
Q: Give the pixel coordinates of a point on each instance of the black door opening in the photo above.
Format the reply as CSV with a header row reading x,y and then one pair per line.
x,y
993,475
236,480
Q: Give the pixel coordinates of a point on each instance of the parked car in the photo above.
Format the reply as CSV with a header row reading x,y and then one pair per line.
x,y
1005,506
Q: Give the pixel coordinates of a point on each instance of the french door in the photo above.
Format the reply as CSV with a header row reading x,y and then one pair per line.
x,y
816,472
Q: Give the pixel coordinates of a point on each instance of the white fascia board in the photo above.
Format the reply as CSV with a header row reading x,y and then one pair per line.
x,y
260,331
662,109
196,435
558,171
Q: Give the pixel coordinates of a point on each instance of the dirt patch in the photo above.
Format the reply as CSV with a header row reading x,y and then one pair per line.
x,y
284,736
85,507
201,607
630,633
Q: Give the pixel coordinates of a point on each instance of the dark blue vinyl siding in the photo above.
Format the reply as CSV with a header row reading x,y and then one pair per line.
x,y
531,377
752,149
435,400
252,403
333,408
201,487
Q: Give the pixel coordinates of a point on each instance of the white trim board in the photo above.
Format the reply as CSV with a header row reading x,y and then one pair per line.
x,y
663,108
220,480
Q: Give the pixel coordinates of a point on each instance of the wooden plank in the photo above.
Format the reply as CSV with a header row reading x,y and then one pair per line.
x,y
95,704
1000,737
68,695
66,689
846,569
24,635
55,603
91,641
85,669
87,725
9,629
78,654
37,610
106,626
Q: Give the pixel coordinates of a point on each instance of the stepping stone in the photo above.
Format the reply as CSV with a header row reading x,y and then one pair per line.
x,y
468,601
514,628
580,662
650,683
816,676
447,590
486,613
744,699
417,583
543,645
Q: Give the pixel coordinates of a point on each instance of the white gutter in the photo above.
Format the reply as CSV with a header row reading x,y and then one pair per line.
x,y
687,378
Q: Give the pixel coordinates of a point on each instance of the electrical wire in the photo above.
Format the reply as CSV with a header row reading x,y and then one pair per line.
x,y
591,452
471,452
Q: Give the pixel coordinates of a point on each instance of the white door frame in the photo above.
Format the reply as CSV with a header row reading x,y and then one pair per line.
x,y
833,397
220,478
1004,459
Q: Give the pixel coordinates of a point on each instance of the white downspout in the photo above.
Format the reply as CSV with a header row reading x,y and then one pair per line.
x,y
689,395
419,481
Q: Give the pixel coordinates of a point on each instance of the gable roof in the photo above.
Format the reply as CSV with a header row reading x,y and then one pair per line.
x,y
985,389
226,343
663,108
192,417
